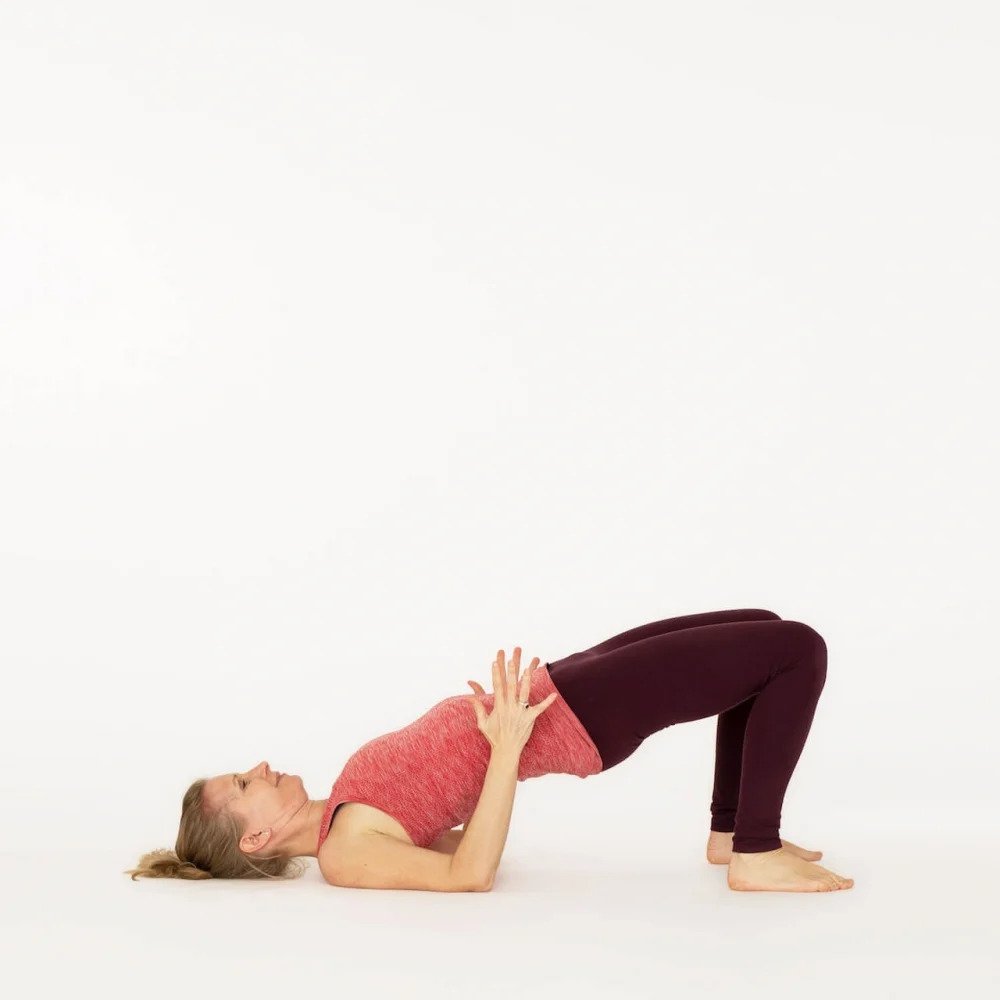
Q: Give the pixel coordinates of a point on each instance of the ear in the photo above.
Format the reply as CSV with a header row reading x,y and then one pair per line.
x,y
251,843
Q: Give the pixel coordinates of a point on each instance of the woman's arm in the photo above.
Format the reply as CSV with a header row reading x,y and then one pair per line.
x,y
371,859
478,855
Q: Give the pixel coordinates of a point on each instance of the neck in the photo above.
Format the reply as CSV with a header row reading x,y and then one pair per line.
x,y
301,843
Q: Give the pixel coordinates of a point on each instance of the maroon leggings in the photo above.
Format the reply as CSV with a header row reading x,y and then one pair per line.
x,y
761,675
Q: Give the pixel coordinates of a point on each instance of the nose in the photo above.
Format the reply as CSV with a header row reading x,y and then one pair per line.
x,y
262,769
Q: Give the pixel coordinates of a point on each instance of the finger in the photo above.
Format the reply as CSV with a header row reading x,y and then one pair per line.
x,y
498,679
512,669
478,688
525,687
542,705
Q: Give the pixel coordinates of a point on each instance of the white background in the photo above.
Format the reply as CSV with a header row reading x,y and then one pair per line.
x,y
344,344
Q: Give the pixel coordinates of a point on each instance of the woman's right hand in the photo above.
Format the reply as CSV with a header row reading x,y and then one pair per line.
x,y
509,725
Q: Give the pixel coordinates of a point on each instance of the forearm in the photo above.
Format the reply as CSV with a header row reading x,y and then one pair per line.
x,y
478,855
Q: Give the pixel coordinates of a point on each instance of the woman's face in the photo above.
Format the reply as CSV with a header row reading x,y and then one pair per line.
x,y
260,798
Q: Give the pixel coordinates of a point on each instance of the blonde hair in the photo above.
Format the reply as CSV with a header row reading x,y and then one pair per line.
x,y
208,846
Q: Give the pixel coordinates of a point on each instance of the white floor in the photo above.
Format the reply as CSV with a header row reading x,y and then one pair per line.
x,y
656,921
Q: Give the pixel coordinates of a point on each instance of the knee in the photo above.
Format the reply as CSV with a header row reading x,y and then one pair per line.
x,y
810,641
806,633
760,614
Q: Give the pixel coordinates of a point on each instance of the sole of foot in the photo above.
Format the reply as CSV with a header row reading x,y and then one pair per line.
x,y
782,871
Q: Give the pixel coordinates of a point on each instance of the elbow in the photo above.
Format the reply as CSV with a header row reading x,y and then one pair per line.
x,y
474,884
465,877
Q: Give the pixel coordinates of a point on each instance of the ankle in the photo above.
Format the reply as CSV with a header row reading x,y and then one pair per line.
x,y
755,855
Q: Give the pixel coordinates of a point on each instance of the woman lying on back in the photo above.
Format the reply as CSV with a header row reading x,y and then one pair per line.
x,y
388,821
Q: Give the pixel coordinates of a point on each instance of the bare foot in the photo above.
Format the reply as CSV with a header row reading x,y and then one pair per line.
x,y
720,848
782,871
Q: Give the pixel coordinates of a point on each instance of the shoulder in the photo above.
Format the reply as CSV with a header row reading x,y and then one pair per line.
x,y
352,820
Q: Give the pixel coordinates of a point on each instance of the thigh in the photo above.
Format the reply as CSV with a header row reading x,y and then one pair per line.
x,y
623,695
681,622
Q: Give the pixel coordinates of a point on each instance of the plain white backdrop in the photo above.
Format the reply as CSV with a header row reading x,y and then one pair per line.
x,y
342,345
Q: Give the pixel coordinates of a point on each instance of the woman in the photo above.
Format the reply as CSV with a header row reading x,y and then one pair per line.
x,y
388,820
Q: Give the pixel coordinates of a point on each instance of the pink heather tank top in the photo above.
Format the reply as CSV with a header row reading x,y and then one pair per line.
x,y
429,774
